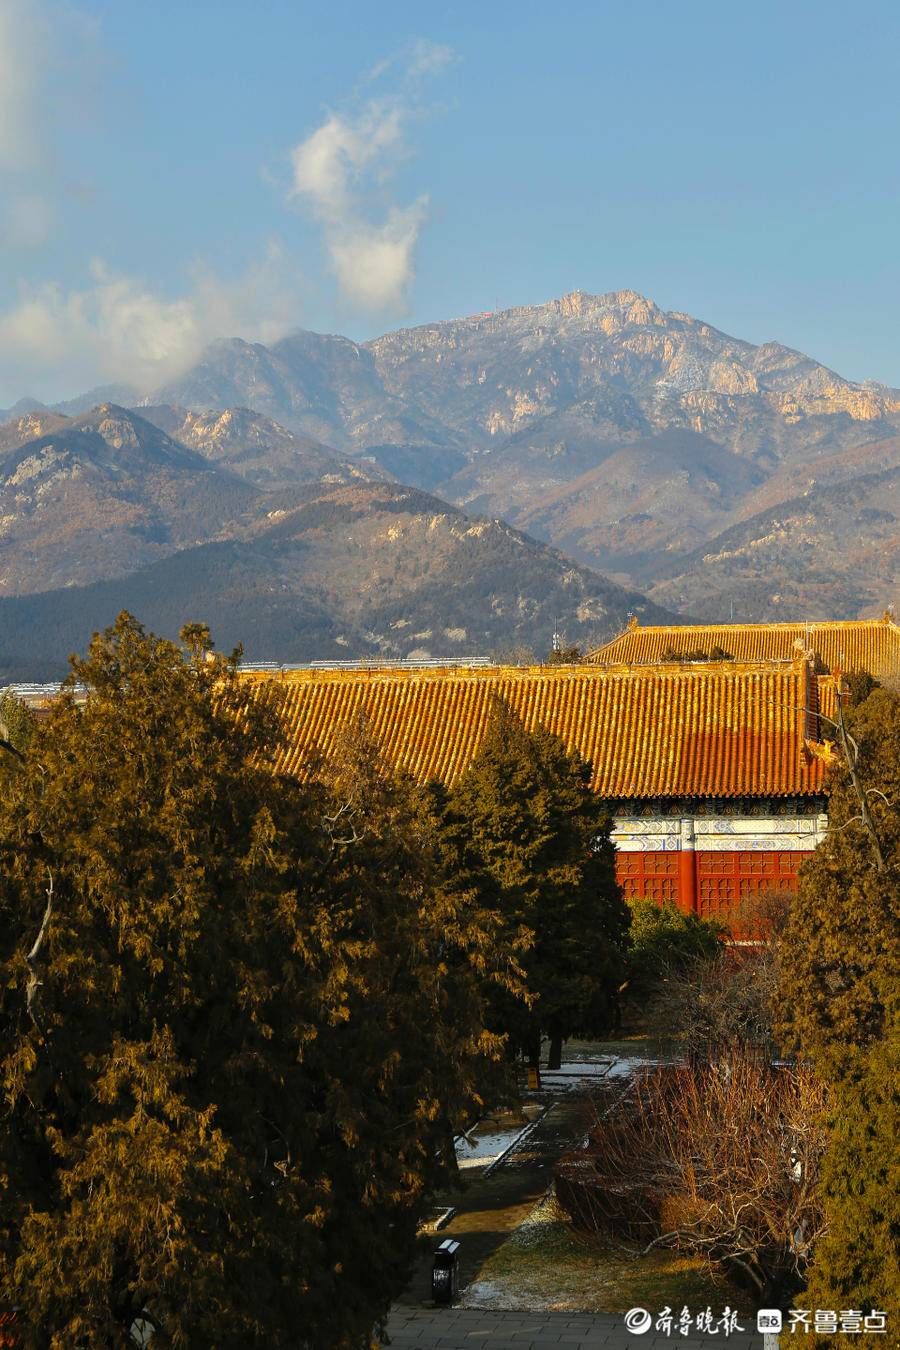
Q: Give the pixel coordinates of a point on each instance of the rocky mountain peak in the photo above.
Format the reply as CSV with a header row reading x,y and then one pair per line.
x,y
629,306
110,433
29,427
620,430
102,493
116,425
257,448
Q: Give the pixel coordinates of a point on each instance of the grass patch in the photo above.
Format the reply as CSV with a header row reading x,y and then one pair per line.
x,y
543,1265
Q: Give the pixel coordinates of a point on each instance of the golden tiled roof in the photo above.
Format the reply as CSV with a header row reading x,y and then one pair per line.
x,y
718,730
863,644
826,688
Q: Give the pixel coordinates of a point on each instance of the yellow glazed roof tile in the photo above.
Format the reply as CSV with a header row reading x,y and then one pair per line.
x,y
858,644
718,729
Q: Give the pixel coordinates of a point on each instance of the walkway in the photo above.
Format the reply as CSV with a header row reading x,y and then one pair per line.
x,y
492,1205
471,1329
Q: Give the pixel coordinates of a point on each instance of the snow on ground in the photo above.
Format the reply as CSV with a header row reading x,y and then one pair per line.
x,y
505,1287
483,1145
626,1065
581,1075
479,1150
487,1294
543,1266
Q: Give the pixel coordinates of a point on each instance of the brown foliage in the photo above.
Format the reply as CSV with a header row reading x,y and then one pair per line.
x,y
722,1159
727,1002
240,1017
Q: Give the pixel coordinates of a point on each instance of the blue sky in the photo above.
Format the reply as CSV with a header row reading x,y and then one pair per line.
x,y
173,172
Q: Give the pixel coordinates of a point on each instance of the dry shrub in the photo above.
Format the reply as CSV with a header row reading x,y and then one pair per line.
x,y
762,916
721,1159
728,1003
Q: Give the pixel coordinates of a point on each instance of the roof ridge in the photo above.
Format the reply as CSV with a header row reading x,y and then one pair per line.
x,y
884,620
587,670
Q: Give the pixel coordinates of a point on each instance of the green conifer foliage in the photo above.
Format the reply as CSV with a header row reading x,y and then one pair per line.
x,y
238,1018
839,1008
665,942
524,830
16,723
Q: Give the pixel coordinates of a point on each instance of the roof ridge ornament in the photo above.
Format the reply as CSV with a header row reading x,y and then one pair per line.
x,y
823,750
804,648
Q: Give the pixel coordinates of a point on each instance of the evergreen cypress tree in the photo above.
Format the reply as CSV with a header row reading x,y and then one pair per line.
x,y
238,1018
839,1008
523,829
16,723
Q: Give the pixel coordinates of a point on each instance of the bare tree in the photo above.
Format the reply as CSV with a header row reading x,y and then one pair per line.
x,y
728,1002
721,1160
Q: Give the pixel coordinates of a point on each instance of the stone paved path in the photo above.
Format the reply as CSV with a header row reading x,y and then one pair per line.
x,y
487,1212
492,1206
472,1329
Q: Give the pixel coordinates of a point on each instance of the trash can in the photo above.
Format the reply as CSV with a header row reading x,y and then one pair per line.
x,y
445,1272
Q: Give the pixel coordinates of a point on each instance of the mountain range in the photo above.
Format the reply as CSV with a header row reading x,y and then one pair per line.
x,y
706,473
634,439
308,558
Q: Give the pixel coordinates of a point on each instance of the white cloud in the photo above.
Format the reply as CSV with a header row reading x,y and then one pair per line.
x,y
414,62
342,171
50,64
51,67
111,328
57,339
427,58
374,264
116,330
329,164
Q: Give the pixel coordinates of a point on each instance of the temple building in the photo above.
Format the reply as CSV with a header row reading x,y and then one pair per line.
x,y
714,772
851,645
711,745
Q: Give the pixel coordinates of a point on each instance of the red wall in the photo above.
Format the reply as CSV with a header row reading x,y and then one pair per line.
x,y
712,885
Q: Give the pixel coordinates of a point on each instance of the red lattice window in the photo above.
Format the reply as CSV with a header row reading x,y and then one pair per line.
x,y
715,864
726,880
716,896
661,864
648,876
723,881
629,873
661,889
758,864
